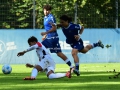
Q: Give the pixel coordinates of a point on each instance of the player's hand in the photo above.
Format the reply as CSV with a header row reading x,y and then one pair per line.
x,y
20,54
52,24
59,25
43,38
29,65
43,33
77,37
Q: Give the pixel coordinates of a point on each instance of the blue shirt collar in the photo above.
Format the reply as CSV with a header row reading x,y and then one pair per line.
x,y
68,26
48,15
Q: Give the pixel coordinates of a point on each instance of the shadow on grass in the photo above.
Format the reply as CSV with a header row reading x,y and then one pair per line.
x,y
87,81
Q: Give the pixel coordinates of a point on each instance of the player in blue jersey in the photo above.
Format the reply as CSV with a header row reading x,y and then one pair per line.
x,y
50,36
73,33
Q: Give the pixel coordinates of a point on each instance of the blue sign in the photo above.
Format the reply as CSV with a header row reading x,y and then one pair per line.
x,y
14,41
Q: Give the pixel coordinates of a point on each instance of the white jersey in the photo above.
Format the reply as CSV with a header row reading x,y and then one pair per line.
x,y
40,50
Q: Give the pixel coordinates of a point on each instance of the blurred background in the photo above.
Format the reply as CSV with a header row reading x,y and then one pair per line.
x,y
20,19
28,14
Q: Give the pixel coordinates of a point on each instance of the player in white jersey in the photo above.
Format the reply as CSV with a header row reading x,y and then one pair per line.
x,y
46,63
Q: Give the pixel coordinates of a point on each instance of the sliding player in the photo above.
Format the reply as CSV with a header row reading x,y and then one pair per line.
x,y
46,63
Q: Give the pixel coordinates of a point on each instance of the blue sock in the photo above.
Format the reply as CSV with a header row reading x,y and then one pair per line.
x,y
77,66
68,62
95,44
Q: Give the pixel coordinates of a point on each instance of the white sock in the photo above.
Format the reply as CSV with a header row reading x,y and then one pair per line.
x,y
92,45
56,75
67,61
34,72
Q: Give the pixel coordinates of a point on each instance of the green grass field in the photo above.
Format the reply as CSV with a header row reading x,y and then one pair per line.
x,y
93,77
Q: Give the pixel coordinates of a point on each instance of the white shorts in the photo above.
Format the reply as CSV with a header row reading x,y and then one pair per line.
x,y
47,64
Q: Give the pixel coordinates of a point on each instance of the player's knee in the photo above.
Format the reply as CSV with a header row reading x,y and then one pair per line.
x,y
39,68
89,47
74,53
51,76
85,50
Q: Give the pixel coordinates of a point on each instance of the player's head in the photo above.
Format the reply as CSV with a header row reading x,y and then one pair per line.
x,y
65,20
32,40
47,9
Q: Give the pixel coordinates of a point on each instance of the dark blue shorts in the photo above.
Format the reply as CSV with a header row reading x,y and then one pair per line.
x,y
78,45
52,44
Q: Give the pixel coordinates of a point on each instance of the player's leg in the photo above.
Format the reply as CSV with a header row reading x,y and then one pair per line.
x,y
58,51
34,73
41,66
86,49
50,67
67,61
64,57
52,75
98,44
76,61
76,48
91,46
54,47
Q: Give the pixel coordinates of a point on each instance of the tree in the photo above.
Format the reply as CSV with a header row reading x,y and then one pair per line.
x,y
91,13
16,14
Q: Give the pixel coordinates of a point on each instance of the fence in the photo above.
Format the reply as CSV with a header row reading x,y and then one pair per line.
x,y
28,14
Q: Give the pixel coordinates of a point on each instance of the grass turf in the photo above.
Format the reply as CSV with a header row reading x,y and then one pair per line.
x,y
93,77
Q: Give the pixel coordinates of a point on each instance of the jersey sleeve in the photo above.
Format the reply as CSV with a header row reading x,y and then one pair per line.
x,y
37,45
78,26
52,20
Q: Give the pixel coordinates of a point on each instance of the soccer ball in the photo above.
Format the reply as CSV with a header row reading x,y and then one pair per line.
x,y
6,69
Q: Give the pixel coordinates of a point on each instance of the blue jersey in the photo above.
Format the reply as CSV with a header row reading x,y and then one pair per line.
x,y
47,20
70,31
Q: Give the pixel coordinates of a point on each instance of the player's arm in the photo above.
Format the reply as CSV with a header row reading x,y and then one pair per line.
x,y
51,30
21,53
59,25
29,49
29,65
81,29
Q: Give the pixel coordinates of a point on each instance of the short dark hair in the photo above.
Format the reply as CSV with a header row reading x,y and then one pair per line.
x,y
32,39
47,7
66,18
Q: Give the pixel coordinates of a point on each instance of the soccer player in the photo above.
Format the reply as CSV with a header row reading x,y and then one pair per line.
x,y
46,63
50,36
72,33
